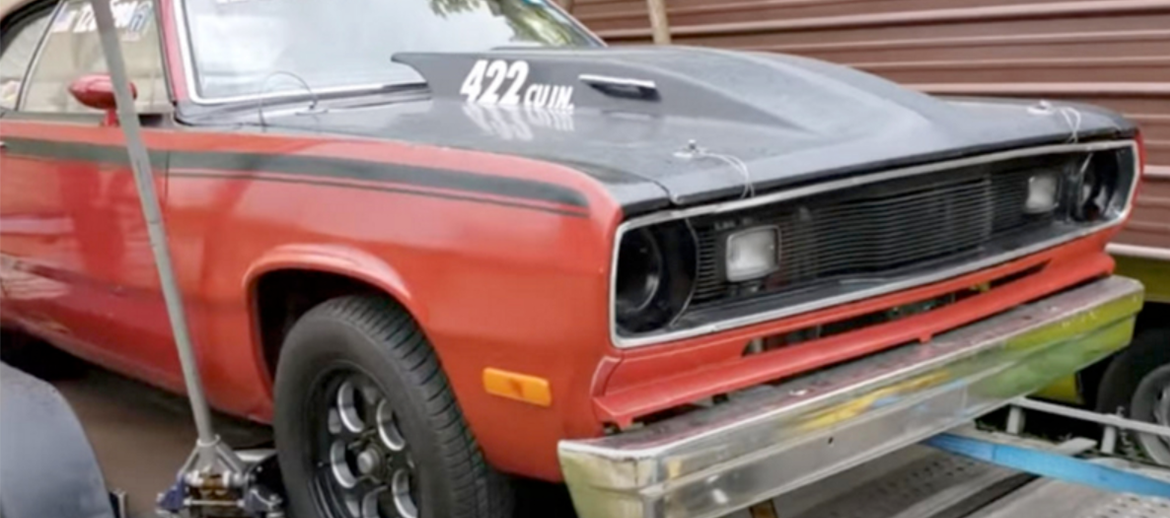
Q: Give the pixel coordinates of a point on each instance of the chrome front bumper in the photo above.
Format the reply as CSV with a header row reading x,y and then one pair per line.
x,y
776,438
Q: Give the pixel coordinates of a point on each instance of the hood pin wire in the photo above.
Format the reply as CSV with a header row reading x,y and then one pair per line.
x,y
693,151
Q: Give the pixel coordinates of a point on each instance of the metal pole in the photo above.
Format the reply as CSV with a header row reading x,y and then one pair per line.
x,y
144,179
659,25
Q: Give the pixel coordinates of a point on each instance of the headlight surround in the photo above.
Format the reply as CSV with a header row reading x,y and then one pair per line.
x,y
655,276
639,274
1095,189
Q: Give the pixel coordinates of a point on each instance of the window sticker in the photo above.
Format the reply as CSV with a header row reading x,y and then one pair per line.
x,y
498,82
131,18
139,21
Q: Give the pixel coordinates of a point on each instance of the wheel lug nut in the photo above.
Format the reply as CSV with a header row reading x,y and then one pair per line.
x,y
368,461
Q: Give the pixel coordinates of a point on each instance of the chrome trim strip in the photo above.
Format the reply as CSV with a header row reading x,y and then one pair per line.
x,y
1143,252
594,79
771,440
621,342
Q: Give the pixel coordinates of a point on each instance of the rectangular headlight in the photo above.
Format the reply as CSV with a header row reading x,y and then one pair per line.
x,y
1043,188
753,253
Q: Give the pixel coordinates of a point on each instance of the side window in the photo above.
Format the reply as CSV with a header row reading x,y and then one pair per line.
x,y
73,49
20,44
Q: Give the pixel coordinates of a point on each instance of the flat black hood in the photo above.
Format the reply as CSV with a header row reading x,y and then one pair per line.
x,y
681,125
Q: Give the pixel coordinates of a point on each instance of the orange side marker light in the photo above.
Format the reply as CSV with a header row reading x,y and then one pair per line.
x,y
521,387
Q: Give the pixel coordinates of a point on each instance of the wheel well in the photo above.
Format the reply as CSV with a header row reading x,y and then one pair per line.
x,y
283,296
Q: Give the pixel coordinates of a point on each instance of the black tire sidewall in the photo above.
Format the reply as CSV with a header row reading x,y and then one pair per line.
x,y
316,346
1149,351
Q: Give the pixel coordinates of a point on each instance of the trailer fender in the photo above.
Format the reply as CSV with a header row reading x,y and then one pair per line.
x,y
46,461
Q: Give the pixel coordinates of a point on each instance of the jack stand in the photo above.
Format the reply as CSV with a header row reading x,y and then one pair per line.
x,y
214,481
242,485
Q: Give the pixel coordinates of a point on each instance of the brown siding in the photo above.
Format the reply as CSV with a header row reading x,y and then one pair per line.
x,y
1115,53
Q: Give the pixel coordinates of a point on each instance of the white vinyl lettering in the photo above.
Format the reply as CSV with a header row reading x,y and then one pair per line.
x,y
508,86
495,73
474,82
530,95
562,98
518,73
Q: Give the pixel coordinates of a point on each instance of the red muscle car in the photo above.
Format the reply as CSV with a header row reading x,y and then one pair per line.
x,y
437,242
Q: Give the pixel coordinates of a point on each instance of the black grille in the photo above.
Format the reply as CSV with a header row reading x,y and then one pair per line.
x,y
870,230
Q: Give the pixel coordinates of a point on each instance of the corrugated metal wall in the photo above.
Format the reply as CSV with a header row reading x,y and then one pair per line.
x,y
1114,53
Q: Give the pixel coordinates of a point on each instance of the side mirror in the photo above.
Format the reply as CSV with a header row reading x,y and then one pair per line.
x,y
97,92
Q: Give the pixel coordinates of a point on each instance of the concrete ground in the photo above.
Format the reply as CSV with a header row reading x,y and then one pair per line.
x,y
141,435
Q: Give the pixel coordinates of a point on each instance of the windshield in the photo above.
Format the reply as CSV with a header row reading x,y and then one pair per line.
x,y
247,48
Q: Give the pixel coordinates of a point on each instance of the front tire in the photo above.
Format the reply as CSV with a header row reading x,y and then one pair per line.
x,y
1137,385
366,425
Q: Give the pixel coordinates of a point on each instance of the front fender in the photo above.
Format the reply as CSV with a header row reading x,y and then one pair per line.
x,y
341,260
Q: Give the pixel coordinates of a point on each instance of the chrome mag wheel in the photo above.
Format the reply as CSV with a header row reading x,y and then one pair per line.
x,y
362,462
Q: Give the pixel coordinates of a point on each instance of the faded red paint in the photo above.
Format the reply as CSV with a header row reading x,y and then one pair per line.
x,y
484,281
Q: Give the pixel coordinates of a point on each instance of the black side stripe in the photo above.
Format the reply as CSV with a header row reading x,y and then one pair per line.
x,y
312,167
74,151
327,183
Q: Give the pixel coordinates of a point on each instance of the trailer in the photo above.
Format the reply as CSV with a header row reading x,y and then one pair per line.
x,y
981,472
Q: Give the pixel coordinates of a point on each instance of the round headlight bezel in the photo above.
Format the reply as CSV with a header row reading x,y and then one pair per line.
x,y
1094,192
640,272
642,303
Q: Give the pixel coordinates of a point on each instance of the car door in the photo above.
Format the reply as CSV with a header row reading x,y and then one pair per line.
x,y
71,230
20,36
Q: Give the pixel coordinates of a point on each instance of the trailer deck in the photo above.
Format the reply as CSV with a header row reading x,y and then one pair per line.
x,y
922,482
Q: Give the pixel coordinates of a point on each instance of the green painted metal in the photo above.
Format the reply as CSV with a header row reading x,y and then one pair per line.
x,y
1153,273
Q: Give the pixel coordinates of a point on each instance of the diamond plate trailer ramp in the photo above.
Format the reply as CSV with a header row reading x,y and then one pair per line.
x,y
922,482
